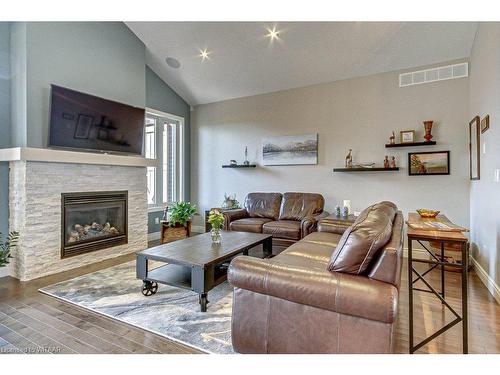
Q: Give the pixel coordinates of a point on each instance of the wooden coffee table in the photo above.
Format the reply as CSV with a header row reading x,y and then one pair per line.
x,y
195,263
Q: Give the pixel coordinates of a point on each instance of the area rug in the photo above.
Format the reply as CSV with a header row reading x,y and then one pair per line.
x,y
172,312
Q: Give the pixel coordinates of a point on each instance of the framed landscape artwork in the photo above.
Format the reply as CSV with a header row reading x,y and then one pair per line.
x,y
290,150
429,163
474,152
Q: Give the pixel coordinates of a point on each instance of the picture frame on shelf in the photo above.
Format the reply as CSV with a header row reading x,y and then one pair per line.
x,y
474,149
407,136
430,163
485,123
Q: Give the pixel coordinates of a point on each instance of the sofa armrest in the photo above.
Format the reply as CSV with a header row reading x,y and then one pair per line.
x,y
338,292
232,215
310,223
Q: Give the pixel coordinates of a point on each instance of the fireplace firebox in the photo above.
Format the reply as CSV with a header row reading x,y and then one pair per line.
x,y
93,221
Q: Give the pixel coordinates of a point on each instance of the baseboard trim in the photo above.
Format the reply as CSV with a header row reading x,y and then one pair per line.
x,y
417,253
154,236
490,284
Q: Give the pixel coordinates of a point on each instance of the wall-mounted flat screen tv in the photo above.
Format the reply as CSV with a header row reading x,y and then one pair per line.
x,y
82,121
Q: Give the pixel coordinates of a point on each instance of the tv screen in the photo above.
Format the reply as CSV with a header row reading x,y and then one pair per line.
x,y
82,121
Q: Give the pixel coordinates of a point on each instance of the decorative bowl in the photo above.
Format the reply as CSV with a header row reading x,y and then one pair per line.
x,y
427,213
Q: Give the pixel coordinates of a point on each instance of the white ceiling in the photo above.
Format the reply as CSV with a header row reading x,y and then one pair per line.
x,y
243,62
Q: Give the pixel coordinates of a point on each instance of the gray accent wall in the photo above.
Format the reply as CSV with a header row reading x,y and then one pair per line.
x,y
485,193
161,97
4,122
100,58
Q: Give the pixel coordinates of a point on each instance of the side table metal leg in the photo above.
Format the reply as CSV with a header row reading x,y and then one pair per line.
x,y
410,295
465,320
442,269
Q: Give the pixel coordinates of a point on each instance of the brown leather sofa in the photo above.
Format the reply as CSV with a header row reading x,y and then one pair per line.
x,y
328,293
288,217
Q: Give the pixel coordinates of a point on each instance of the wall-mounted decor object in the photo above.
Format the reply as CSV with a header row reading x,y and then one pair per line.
x,y
474,152
392,138
290,150
407,136
348,159
246,162
83,126
428,130
429,163
485,124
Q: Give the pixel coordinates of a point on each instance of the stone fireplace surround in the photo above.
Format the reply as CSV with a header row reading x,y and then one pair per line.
x,y
37,179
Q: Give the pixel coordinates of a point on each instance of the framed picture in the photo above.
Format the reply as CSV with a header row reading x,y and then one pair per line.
x,y
485,124
429,163
407,136
290,150
83,125
474,145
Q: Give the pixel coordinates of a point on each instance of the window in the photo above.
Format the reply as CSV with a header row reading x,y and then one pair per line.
x,y
164,141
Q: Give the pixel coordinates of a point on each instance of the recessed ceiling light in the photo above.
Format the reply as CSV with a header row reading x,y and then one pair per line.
x,y
204,54
273,34
173,63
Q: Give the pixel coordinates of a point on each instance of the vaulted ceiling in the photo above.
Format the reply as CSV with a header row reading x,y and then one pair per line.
x,y
243,61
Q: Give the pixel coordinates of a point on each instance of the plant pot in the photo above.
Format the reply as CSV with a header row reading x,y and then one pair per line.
x,y
216,235
171,234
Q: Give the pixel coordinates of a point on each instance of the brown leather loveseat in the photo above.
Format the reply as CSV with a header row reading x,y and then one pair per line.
x,y
328,293
288,217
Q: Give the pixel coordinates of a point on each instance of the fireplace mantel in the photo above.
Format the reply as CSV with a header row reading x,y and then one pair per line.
x,y
63,156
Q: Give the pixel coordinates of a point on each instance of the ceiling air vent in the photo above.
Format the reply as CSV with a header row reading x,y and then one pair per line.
x,y
440,73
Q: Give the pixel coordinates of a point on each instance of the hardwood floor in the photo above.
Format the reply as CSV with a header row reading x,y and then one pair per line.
x,y
35,323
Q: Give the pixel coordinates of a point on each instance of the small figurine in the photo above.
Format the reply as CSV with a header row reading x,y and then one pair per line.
x,y
386,162
246,162
393,162
392,138
348,159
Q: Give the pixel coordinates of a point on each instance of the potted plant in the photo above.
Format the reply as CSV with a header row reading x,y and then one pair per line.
x,y
178,224
216,219
7,246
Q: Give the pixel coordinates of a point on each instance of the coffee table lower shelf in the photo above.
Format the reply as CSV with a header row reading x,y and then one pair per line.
x,y
180,276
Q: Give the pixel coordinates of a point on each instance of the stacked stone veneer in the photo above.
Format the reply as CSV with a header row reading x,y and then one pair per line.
x,y
35,211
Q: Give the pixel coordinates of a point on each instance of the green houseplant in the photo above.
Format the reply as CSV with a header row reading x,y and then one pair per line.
x,y
7,246
178,223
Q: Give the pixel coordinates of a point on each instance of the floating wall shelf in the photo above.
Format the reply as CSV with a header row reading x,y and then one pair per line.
x,y
240,166
366,169
411,144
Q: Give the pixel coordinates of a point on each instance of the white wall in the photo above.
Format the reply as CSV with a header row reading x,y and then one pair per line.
x,y
357,113
485,193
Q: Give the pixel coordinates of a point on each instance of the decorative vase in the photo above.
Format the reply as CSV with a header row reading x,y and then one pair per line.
x,y
215,233
428,129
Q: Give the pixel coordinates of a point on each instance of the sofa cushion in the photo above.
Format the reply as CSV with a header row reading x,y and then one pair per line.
x,y
323,238
283,229
250,224
263,205
297,206
361,242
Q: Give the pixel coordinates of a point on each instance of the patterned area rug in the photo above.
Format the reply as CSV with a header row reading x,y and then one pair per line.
x,y
172,312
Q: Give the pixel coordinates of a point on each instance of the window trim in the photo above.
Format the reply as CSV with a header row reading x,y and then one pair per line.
x,y
180,149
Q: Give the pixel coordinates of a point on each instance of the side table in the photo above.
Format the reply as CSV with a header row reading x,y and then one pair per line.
x,y
441,237
336,224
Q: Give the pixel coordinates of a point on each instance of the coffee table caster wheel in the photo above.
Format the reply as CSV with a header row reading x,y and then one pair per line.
x,y
149,288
